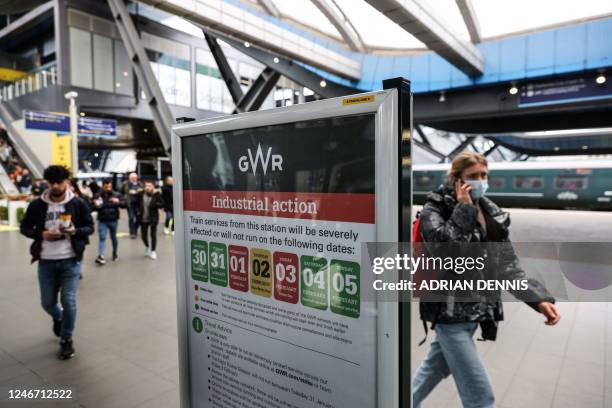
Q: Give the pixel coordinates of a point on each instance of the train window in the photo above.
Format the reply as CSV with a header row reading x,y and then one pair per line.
x,y
528,182
497,182
570,182
424,181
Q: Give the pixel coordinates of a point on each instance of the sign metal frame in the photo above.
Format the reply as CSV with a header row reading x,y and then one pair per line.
x,y
384,104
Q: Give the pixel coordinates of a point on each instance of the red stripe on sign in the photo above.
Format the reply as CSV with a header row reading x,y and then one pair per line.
x,y
316,206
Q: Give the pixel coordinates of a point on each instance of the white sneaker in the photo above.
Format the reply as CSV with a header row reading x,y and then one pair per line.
x,y
148,253
153,255
166,231
172,233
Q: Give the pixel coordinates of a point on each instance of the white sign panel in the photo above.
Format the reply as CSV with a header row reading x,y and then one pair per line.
x,y
274,310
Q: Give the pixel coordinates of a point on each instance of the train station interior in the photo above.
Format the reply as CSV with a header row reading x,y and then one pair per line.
x,y
96,86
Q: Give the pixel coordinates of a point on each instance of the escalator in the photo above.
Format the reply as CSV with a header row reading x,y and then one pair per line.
x,y
6,184
25,153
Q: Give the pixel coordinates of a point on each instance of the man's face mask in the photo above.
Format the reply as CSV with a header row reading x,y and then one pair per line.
x,y
479,188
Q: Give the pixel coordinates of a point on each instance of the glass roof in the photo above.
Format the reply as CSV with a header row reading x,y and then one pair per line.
x,y
307,14
376,29
496,18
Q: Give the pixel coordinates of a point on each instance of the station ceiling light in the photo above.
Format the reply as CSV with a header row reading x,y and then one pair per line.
x,y
442,97
323,84
82,113
585,147
601,79
513,90
276,60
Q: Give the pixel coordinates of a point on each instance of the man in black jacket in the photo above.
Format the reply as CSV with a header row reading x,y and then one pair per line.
x,y
149,202
60,224
107,203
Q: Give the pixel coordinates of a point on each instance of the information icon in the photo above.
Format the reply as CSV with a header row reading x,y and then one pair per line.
x,y
197,324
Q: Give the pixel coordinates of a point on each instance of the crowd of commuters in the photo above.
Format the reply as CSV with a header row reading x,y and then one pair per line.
x,y
59,220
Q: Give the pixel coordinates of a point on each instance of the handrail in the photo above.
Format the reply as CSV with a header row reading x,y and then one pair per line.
x,y
28,84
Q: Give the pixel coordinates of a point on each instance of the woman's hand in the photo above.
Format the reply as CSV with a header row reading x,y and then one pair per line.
x,y
550,311
462,192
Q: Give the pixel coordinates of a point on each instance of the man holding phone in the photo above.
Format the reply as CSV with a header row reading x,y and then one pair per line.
x,y
60,224
107,203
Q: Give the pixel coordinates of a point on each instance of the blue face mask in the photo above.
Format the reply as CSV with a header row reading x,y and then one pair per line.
x,y
479,188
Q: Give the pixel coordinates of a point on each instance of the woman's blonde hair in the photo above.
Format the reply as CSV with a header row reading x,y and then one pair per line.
x,y
462,162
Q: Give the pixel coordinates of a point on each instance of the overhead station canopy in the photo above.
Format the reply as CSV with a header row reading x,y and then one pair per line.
x,y
333,35
494,18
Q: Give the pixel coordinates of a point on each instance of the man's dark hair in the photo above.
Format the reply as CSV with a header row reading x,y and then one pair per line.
x,y
56,174
107,181
149,181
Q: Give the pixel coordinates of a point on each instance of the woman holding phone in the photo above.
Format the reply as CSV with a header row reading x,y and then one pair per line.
x,y
460,212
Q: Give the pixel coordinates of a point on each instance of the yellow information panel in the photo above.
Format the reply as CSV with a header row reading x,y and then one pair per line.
x,y
60,150
261,272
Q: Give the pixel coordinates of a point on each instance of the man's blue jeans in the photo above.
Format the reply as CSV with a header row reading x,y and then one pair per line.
x,y
103,228
60,276
132,220
453,351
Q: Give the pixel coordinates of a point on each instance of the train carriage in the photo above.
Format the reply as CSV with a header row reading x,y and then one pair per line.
x,y
548,184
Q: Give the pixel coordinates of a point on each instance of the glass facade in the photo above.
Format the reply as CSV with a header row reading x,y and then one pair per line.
x,y
99,62
211,92
81,67
171,64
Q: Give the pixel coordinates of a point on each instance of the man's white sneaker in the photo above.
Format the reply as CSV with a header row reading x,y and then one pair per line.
x,y
153,255
166,231
148,252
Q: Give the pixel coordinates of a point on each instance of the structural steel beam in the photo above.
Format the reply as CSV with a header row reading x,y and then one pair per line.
x,y
258,92
289,69
270,7
459,148
31,17
339,20
226,71
471,21
233,20
414,17
490,150
429,149
424,138
162,117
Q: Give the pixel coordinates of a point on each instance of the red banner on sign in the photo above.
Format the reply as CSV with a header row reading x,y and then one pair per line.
x,y
344,207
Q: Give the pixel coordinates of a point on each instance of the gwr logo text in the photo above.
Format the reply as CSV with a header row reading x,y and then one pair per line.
x,y
245,163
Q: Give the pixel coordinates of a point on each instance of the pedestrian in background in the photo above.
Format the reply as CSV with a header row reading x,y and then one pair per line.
x,y
107,202
168,205
60,223
38,187
149,202
24,181
131,189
